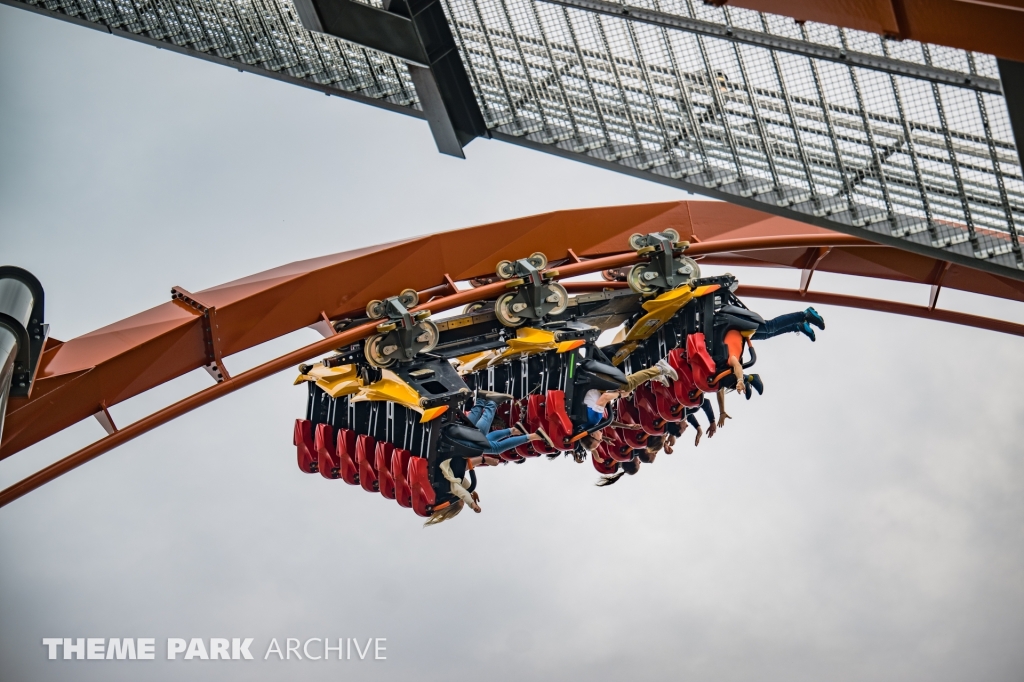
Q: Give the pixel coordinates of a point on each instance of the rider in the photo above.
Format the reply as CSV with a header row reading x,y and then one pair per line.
x,y
502,440
461,477
597,400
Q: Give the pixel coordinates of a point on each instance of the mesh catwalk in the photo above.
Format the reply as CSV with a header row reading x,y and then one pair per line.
x,y
849,130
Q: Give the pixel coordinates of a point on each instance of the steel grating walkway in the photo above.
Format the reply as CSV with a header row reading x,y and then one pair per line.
x,y
844,129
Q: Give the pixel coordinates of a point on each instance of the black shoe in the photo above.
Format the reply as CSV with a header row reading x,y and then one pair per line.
x,y
493,397
811,315
755,381
747,390
521,428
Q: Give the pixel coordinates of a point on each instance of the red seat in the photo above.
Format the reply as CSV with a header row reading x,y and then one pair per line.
x,y
399,471
423,496
385,481
517,414
632,438
668,407
607,467
323,442
365,460
684,388
524,450
627,411
504,412
345,451
302,439
535,419
647,407
618,449
704,375
559,426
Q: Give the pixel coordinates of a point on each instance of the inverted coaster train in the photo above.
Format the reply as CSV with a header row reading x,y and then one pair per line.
x,y
532,333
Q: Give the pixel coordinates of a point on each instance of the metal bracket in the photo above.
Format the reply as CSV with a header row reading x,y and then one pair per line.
x,y
814,258
211,332
417,32
105,420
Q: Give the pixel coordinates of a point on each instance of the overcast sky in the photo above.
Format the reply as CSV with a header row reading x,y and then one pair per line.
x,y
863,520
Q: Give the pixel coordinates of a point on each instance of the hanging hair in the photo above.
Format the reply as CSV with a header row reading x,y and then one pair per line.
x,y
630,467
609,480
654,443
449,512
554,455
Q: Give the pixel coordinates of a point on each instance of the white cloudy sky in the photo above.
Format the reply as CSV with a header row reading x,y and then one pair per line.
x,y
863,520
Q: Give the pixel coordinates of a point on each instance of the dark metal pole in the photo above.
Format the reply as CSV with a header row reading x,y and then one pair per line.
x,y
22,333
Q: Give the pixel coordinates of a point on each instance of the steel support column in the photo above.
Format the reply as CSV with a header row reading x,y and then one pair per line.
x,y
417,32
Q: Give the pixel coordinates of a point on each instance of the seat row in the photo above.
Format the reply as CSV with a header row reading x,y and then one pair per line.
x,y
358,459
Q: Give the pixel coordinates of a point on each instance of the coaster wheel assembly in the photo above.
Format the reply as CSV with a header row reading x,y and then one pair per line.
x,y
533,293
404,335
666,266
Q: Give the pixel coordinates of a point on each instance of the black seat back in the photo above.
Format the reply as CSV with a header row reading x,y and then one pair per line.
x,y
603,376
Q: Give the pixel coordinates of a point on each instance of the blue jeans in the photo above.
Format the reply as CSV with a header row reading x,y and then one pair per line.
x,y
482,414
501,441
783,324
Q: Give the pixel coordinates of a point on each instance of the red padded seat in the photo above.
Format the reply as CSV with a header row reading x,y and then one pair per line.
x,y
524,450
345,451
628,413
423,496
535,419
704,375
647,407
400,473
667,406
633,438
609,466
385,481
323,442
684,388
559,425
618,449
365,460
302,439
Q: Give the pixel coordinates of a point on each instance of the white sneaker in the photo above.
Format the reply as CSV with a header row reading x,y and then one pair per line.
x,y
668,370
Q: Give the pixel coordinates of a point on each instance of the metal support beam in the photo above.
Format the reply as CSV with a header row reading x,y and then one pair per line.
x,y
417,32
803,48
1011,73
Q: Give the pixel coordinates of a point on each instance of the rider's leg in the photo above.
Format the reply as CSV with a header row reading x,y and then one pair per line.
x,y
783,324
643,376
506,444
482,419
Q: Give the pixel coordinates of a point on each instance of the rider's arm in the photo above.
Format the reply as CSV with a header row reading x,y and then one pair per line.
x,y
708,410
722,415
737,369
